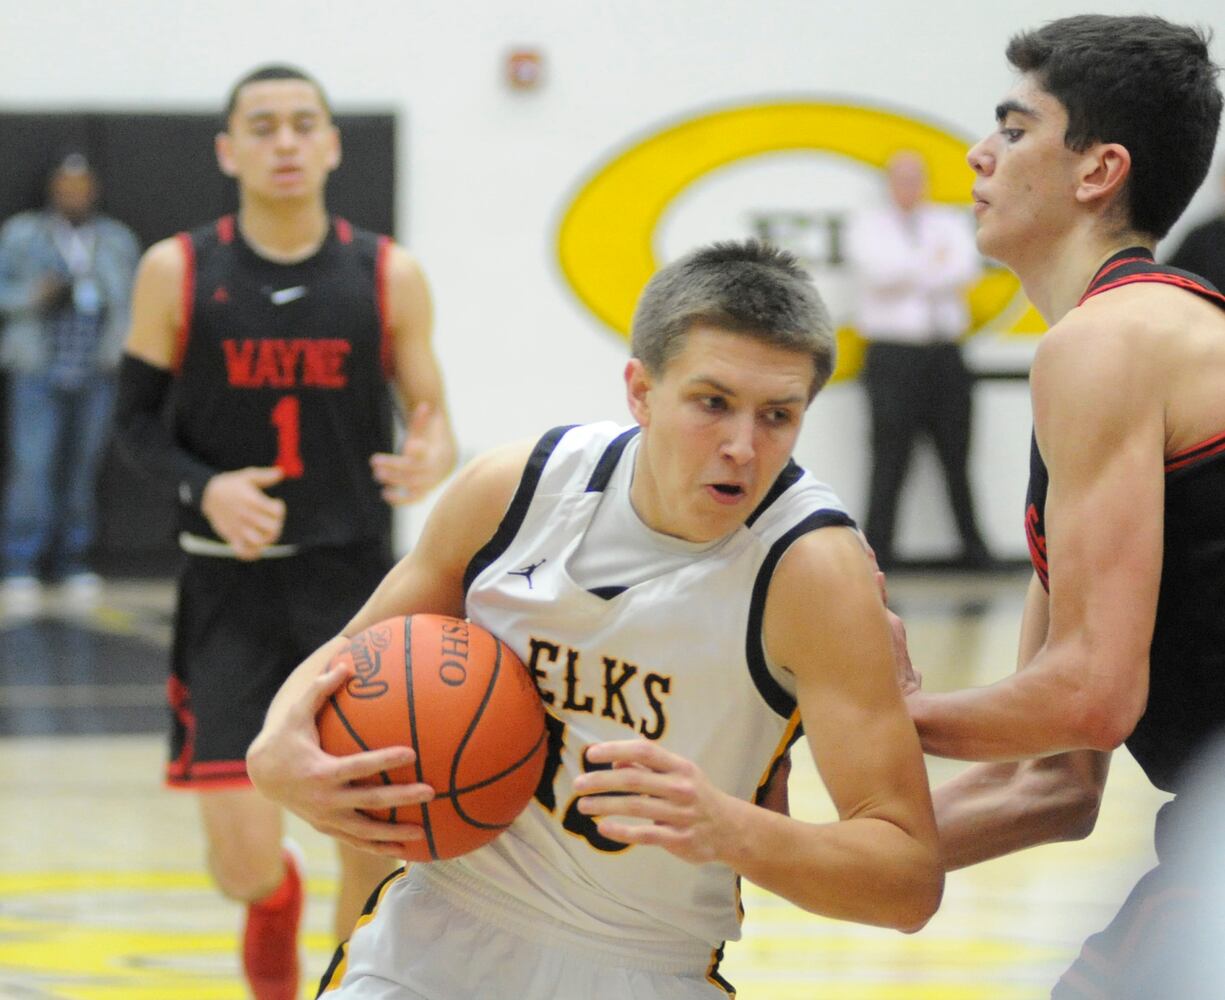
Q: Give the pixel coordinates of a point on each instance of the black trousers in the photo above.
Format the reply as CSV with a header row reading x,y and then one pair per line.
x,y
913,390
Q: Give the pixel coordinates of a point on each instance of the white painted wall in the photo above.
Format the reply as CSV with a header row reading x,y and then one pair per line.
x,y
487,171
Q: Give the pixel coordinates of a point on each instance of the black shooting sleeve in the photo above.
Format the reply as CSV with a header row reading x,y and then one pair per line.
x,y
144,438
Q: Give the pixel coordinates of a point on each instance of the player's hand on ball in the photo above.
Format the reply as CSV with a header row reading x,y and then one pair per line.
x,y
287,765
685,814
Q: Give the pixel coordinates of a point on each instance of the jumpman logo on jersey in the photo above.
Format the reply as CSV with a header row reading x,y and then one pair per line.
x,y
527,572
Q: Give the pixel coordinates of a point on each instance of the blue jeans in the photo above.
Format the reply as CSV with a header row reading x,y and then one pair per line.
x,y
56,439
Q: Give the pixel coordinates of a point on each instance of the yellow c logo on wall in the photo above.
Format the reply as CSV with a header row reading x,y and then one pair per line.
x,y
606,236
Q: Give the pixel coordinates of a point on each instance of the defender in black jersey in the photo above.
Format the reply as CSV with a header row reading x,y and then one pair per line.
x,y
1099,147
259,385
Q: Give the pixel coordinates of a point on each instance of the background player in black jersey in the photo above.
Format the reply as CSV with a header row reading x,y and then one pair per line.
x,y
1100,145
275,336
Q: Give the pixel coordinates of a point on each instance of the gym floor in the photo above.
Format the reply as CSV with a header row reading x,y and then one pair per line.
x,y
103,896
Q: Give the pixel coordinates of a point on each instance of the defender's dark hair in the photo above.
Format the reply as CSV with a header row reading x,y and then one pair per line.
x,y
750,288
273,71
1142,82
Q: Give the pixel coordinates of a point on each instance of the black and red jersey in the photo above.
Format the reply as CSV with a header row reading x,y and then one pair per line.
x,y
288,365
1186,702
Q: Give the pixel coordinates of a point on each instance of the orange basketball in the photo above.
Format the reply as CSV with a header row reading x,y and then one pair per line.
x,y
464,701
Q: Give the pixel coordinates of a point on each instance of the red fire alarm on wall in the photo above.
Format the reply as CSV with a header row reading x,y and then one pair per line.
x,y
524,68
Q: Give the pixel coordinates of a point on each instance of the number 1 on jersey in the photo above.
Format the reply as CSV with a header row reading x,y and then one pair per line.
x,y
286,417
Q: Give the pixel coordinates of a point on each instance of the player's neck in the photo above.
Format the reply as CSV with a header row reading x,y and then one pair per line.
x,y
283,233
1056,281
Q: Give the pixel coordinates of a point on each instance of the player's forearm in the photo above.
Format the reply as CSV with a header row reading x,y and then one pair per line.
x,y
1029,714
394,596
990,810
976,816
416,585
299,682
146,440
865,869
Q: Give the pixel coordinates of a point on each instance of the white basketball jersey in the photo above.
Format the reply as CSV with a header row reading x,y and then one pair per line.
x,y
676,658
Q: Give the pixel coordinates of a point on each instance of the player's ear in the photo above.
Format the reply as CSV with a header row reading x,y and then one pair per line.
x,y
637,389
1104,172
224,147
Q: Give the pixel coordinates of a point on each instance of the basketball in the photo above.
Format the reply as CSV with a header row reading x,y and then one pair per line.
x,y
464,701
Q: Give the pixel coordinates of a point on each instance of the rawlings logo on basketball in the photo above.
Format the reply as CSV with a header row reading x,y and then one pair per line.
x,y
453,653
367,661
464,702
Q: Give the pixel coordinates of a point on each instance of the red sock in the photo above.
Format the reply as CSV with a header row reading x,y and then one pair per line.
x,y
270,938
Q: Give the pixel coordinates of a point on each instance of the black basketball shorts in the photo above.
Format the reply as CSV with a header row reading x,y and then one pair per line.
x,y
241,628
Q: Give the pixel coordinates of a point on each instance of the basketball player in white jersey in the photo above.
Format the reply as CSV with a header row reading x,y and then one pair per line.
x,y
685,595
